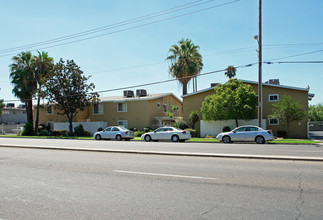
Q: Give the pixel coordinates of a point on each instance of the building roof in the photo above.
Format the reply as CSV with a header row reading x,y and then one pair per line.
x,y
135,98
310,95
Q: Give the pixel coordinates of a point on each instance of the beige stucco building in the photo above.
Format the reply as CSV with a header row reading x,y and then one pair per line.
x,y
271,92
131,111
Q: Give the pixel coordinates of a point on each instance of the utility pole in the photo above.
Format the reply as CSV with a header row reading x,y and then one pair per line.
x,y
259,70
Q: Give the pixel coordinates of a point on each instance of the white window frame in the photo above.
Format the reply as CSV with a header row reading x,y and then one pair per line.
x,y
158,104
273,95
52,110
269,121
164,109
100,109
124,123
123,103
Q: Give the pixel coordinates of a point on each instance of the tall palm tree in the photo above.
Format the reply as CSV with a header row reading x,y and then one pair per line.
x,y
43,65
23,78
186,62
230,71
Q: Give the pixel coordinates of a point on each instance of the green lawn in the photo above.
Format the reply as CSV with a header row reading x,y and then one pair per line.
x,y
209,140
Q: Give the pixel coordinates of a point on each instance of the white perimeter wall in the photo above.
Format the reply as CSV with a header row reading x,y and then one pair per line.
x,y
88,126
213,128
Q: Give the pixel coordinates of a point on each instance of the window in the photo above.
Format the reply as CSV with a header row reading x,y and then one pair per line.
x,y
158,105
122,107
115,129
123,123
107,129
164,108
273,97
252,129
98,109
242,129
49,110
273,121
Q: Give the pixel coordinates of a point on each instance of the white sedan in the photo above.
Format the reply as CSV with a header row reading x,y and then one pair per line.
x,y
167,133
246,133
114,132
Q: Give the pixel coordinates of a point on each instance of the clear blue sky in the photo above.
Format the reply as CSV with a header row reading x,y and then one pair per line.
x,y
135,53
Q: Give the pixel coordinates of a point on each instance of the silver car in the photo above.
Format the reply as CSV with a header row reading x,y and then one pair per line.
x,y
246,133
167,133
114,132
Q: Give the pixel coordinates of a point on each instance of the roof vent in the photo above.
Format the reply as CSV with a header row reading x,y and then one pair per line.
x,y
128,93
273,82
214,84
141,92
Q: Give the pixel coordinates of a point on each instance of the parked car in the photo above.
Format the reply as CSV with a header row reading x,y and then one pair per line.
x,y
114,132
246,133
167,133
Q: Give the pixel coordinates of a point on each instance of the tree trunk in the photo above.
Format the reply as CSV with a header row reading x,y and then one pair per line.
x,y
184,88
287,129
29,110
71,125
37,116
236,122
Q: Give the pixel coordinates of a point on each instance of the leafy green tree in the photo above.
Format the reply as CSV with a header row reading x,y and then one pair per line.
x,y
315,112
186,62
230,72
1,106
194,117
67,88
24,81
232,100
43,64
287,110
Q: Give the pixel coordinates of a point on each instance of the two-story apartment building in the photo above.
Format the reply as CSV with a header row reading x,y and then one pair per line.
x,y
130,110
271,92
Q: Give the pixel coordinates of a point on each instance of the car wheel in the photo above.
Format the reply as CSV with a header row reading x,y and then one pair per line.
x,y
226,139
97,137
175,138
118,137
260,140
147,138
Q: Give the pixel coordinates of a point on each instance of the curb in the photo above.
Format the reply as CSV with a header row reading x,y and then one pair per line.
x,y
166,153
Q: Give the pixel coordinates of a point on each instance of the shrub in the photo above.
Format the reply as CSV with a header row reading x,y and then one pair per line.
x,y
148,129
79,130
226,129
59,133
138,133
193,132
100,129
28,129
281,134
133,129
87,134
182,124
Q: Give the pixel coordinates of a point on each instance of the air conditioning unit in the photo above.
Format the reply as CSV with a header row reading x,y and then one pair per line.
x,y
128,93
274,81
141,92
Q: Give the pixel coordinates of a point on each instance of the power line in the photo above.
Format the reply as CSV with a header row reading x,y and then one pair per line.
x,y
115,26
152,83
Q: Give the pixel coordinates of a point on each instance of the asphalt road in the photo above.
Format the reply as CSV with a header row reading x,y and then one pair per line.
x,y
216,148
51,184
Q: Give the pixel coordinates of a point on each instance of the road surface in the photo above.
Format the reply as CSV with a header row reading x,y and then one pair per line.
x,y
51,184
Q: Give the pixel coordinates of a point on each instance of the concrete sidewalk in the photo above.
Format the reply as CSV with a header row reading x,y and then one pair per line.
x,y
167,153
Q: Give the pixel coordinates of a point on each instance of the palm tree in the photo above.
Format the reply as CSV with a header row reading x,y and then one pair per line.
x,y
186,62
43,65
230,72
23,78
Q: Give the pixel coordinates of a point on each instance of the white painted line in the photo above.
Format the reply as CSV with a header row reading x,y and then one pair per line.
x,y
165,175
